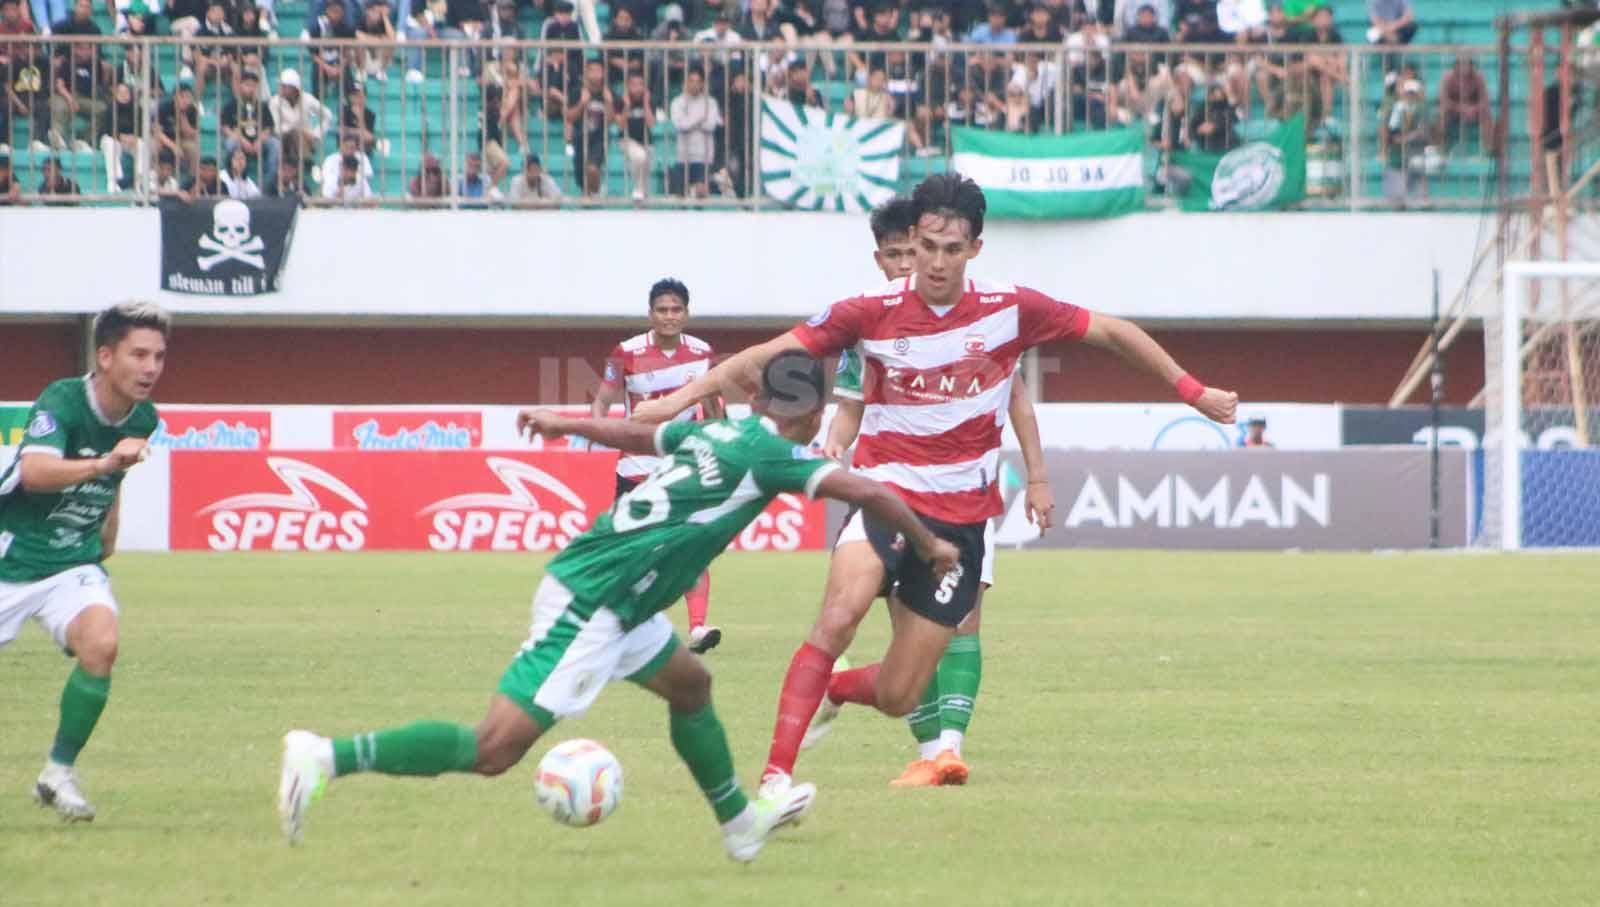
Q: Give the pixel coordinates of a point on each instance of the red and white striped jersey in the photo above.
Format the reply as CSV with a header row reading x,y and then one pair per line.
x,y
645,371
937,386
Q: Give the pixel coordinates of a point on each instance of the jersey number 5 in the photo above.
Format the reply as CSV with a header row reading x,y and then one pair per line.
x,y
653,493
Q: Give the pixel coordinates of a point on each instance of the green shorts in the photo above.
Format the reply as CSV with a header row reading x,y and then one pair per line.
x,y
574,649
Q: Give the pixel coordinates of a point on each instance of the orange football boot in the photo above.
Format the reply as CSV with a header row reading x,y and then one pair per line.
x,y
921,773
950,767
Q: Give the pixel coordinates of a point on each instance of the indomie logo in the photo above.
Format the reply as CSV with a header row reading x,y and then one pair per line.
x,y
430,435
219,435
296,521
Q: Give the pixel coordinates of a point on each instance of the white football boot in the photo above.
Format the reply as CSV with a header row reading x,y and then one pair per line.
x,y
704,639
58,787
768,814
307,767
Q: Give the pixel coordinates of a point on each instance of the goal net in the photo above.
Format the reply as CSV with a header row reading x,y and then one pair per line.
x,y
1541,446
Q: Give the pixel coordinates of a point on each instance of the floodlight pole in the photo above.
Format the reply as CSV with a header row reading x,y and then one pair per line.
x,y
1433,436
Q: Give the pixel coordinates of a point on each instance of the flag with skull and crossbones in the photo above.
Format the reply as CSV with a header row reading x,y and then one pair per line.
x,y
230,239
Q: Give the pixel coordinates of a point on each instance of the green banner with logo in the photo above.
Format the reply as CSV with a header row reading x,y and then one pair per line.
x,y
13,419
1269,172
819,161
1090,174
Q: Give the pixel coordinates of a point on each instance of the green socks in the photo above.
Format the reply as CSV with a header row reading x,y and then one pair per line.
x,y
423,748
924,719
960,672
82,701
703,745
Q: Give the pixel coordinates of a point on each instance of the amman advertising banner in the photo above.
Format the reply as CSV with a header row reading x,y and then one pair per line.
x,y
1244,499
444,500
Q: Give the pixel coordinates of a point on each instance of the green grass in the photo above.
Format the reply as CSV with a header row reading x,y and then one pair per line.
x,y
1153,728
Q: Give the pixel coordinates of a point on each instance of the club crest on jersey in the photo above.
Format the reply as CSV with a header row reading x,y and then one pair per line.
x,y
611,372
974,345
902,345
43,424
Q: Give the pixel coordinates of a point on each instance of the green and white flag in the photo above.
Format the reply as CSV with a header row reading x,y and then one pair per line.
x,y
820,161
1090,174
1269,172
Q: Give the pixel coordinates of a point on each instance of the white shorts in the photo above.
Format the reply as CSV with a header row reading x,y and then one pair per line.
x,y
574,650
855,530
54,601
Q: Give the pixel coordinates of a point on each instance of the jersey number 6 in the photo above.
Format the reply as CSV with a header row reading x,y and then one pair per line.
x,y
653,492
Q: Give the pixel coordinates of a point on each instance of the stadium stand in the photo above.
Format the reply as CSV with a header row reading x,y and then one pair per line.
x,y
440,115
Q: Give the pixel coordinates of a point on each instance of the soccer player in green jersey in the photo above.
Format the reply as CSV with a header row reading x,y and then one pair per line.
x,y
597,613
58,522
940,720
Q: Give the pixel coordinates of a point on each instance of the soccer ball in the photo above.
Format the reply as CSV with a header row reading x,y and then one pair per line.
x,y
579,783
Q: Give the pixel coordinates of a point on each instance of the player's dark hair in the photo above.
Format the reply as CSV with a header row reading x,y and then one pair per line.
x,y
668,286
116,322
951,195
894,217
792,385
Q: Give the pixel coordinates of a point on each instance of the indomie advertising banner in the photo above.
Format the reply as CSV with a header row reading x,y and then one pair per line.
x,y
353,500
380,429
214,429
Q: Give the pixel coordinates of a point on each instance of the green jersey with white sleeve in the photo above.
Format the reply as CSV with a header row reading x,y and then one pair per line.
x,y
657,539
42,534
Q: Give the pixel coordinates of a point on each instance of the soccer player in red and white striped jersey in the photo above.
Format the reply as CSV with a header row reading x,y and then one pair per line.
x,y
647,366
940,352
939,722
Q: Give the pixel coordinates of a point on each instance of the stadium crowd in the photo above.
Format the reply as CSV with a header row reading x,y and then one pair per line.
x,y
291,116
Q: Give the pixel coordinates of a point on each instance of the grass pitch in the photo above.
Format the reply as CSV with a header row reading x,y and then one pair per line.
x,y
1153,729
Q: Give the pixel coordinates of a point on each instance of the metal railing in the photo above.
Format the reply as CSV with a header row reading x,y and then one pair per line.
x,y
461,123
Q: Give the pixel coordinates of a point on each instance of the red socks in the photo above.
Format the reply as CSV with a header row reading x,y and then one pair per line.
x,y
859,686
699,600
803,688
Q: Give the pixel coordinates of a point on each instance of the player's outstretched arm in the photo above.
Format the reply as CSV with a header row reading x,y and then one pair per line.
x,y
1129,341
884,504
1040,502
844,428
628,437
43,473
744,366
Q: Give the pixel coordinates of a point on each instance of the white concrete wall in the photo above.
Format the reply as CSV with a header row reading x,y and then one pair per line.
x,y
786,265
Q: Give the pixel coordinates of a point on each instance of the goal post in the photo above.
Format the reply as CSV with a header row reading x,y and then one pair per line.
x,y
1541,475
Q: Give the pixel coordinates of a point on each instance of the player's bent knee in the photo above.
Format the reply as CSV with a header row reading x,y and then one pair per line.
x,y
694,694
93,639
497,754
836,626
897,698
504,736
897,705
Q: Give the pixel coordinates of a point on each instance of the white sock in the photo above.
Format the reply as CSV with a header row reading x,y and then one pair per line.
x,y
951,740
741,823
930,749
325,760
